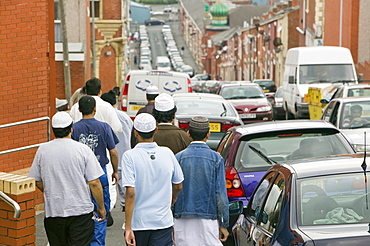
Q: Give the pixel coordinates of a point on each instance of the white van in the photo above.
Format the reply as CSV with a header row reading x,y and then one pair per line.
x,y
163,63
133,95
317,67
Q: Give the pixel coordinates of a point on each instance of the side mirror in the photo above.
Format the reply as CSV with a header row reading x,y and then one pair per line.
x,y
235,208
291,80
324,101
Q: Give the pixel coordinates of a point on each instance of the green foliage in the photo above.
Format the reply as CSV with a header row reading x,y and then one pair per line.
x,y
158,1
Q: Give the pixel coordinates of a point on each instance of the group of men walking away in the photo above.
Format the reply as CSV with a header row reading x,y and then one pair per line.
x,y
171,184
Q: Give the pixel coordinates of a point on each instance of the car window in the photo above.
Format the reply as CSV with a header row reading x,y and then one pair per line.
x,y
273,205
332,199
256,202
285,146
225,144
358,92
349,120
240,92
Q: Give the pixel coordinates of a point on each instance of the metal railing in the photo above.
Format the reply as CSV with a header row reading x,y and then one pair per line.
x,y
11,202
23,123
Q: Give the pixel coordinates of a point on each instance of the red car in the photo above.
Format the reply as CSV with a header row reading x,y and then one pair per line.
x,y
249,100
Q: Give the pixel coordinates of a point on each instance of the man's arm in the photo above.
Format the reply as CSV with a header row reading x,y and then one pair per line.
x,y
129,209
114,160
176,189
40,185
97,192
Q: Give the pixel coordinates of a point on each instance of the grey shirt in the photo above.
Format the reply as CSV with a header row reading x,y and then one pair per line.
x,y
65,166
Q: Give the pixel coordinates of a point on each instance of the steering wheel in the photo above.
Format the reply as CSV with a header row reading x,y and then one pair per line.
x,y
313,188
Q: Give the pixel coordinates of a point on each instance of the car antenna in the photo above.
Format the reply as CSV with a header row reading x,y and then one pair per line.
x,y
364,166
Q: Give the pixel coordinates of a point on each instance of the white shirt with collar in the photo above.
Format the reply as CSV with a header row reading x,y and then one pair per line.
x,y
104,112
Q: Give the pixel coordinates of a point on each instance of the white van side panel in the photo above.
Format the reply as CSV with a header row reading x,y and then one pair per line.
x,y
167,82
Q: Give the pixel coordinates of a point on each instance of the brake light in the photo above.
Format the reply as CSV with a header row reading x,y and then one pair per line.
x,y
289,135
190,89
184,125
226,127
124,95
233,183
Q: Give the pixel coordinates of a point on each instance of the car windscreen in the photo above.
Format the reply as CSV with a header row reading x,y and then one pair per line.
x,y
163,64
242,92
332,199
288,146
309,74
204,107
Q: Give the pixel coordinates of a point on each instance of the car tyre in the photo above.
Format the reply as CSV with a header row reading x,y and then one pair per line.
x,y
288,115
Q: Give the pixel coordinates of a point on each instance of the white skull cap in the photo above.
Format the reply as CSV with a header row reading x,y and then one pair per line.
x,y
145,122
152,90
61,120
164,102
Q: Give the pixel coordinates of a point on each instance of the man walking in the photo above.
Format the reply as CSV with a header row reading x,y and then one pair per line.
x,y
201,211
66,171
168,134
152,177
100,137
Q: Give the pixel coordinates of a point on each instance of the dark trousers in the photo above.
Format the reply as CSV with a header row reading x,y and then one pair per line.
x,y
161,237
70,231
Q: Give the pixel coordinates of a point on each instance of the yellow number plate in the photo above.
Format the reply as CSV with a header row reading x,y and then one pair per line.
x,y
215,127
266,90
136,108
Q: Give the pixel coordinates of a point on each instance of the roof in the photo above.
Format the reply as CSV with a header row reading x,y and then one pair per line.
x,y
327,165
196,9
242,13
271,126
352,99
218,38
198,95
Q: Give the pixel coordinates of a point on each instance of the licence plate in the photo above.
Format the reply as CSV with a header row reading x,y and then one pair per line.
x,y
136,108
215,127
266,90
247,116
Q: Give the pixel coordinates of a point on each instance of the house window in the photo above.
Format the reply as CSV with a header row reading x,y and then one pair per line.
x,y
57,24
96,4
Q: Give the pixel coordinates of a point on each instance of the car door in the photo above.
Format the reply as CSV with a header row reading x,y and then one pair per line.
x,y
246,229
331,113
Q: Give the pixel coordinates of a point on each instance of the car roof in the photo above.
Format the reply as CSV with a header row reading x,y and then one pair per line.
x,y
327,165
272,126
351,99
198,96
238,83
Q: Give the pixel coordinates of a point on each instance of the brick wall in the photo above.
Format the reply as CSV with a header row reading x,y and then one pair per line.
x,y
107,69
77,77
24,33
112,10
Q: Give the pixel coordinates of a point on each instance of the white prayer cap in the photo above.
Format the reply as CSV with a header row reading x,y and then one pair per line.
x,y
144,122
61,120
152,90
164,102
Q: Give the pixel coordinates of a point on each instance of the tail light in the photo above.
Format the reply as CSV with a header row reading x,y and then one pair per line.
x,y
233,183
190,89
124,94
184,125
226,127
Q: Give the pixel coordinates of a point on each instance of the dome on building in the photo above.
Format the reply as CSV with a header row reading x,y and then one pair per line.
x,y
219,9
219,13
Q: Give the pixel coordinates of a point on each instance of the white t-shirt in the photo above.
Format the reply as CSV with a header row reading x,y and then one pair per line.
x,y
151,170
104,112
65,166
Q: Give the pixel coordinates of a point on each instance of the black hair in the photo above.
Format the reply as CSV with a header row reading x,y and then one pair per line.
x,y
110,97
151,97
62,132
354,107
198,134
93,86
164,116
86,105
146,135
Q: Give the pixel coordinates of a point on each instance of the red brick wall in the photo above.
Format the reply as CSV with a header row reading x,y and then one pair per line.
x,y
112,10
24,66
107,69
77,77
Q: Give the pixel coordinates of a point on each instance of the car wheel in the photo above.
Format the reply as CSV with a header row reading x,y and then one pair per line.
x,y
288,115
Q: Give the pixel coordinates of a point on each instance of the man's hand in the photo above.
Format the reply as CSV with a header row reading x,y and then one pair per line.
x,y
115,178
130,237
224,233
101,213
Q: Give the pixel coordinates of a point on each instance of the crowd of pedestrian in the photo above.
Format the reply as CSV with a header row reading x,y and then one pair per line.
x,y
171,185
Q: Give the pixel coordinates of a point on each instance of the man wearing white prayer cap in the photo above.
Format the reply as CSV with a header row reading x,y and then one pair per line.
x,y
168,134
152,177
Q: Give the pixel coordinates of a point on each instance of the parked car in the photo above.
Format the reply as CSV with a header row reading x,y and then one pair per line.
x,y
338,112
201,77
249,100
167,9
347,90
154,22
325,204
220,113
250,150
279,112
267,85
